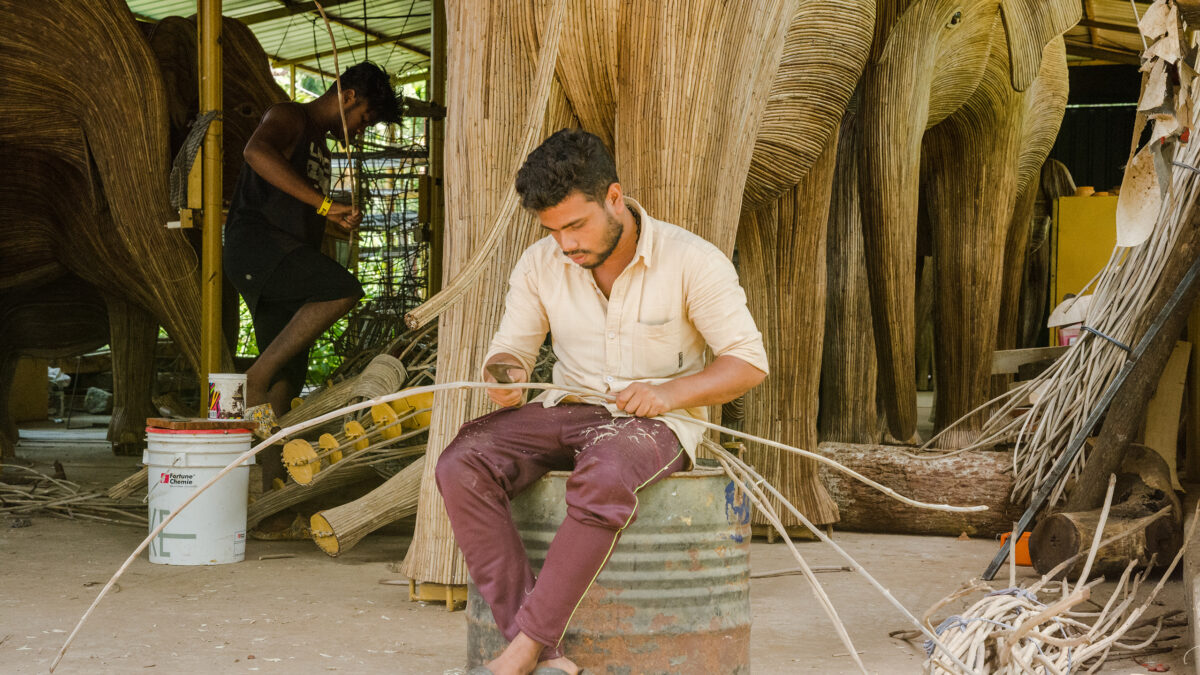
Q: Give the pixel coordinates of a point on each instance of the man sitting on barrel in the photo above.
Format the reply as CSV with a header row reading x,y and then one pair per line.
x,y
631,303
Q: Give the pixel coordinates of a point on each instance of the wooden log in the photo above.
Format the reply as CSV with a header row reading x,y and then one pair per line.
x,y
1063,535
337,530
1143,488
967,478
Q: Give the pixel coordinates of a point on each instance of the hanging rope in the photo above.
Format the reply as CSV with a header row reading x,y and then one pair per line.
x,y
186,157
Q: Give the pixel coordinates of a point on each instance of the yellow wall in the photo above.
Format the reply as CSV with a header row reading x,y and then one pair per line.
x,y
1085,232
30,398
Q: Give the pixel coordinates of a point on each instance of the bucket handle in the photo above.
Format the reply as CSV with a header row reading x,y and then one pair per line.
x,y
150,492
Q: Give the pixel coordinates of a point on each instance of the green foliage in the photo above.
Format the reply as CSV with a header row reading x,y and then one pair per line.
x,y
322,358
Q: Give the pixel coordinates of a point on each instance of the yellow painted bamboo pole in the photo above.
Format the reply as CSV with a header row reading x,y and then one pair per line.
x,y
209,40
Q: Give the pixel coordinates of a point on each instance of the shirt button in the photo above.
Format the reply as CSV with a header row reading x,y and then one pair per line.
x,y
608,378
611,335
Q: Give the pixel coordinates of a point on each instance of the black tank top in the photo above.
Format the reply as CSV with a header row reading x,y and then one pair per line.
x,y
265,223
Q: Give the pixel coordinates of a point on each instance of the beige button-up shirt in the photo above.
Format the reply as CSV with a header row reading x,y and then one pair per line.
x,y
678,294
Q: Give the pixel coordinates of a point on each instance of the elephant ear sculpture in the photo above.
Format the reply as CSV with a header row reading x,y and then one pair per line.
x,y
247,86
1029,26
942,112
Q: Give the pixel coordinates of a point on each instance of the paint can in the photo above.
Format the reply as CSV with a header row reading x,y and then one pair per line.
x,y
226,396
212,529
675,595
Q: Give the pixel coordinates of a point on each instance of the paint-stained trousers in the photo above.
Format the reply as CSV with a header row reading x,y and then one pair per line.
x,y
496,456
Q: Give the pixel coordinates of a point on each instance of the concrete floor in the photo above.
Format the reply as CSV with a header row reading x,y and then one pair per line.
x,y
310,613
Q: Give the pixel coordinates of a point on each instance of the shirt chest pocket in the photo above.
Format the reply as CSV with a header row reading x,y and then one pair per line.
x,y
658,349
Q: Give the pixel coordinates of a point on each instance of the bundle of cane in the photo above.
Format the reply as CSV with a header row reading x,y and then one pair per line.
x,y
1044,628
1157,197
39,493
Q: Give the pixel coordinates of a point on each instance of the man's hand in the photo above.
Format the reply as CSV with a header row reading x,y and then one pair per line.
x,y
347,217
506,397
645,400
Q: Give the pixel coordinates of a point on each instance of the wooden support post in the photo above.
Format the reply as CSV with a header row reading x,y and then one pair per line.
x,y
211,337
436,92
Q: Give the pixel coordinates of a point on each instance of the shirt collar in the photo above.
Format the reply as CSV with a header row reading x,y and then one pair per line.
x,y
645,245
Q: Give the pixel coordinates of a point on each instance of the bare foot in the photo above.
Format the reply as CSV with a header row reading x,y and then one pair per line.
x,y
519,658
562,663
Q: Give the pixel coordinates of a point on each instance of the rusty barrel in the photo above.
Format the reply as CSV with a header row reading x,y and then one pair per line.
x,y
675,595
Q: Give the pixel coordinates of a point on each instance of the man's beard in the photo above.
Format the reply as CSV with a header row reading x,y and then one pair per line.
x,y
612,236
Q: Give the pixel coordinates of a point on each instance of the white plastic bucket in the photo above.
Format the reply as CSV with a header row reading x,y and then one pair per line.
x,y
212,529
226,396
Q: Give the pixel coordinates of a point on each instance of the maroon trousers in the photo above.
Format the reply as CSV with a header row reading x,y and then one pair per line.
x,y
496,456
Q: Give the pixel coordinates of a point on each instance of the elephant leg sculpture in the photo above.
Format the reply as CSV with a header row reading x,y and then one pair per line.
x,y
848,410
954,69
783,269
782,232
480,170
65,317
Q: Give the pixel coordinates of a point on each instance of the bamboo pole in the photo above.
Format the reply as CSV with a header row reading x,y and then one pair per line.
x,y
211,339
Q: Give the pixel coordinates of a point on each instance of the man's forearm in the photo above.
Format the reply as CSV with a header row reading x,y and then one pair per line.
x,y
723,380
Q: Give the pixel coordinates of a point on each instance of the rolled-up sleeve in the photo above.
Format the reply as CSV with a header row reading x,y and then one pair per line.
x,y
716,305
524,325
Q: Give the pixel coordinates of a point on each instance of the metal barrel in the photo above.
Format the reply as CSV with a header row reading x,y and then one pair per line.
x,y
675,595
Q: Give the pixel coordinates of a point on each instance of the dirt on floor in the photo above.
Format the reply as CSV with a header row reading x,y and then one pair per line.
x,y
305,612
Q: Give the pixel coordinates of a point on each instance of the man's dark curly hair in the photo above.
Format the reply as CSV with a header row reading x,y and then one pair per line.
x,y
370,81
570,160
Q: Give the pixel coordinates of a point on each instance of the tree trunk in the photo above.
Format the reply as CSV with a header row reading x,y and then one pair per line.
x,y
965,479
1143,488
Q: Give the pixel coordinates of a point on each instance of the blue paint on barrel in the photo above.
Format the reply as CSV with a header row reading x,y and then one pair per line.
x,y
675,596
737,508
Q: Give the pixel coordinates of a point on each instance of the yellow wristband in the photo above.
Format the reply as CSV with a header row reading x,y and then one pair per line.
x,y
323,209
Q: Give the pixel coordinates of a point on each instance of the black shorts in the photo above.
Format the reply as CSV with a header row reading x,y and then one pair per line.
x,y
304,275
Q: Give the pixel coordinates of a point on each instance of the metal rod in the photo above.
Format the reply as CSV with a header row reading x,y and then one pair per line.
x,y
1064,460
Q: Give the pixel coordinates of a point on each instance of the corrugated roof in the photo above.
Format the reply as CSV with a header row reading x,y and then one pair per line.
x,y
1107,33
393,33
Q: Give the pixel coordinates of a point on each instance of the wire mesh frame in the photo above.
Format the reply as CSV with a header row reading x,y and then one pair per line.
x,y
390,254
